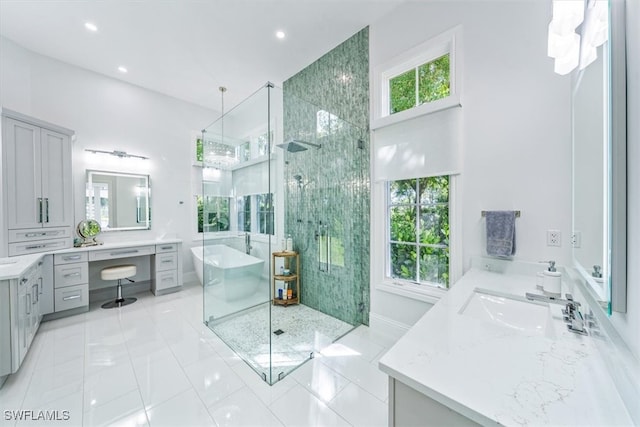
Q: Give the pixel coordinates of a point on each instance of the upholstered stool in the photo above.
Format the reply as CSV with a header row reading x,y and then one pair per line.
x,y
118,273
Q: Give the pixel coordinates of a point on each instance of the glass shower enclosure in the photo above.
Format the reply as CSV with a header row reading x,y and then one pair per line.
x,y
275,168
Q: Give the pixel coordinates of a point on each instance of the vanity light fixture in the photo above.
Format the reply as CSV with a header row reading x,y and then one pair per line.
x,y
123,70
117,153
280,34
91,26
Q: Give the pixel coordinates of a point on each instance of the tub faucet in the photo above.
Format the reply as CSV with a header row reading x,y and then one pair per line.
x,y
247,243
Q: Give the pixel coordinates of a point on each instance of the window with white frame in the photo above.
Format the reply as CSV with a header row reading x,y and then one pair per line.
x,y
419,81
255,213
418,230
420,84
213,213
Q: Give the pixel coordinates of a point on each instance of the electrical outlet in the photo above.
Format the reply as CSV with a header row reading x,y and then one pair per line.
x,y
554,238
576,239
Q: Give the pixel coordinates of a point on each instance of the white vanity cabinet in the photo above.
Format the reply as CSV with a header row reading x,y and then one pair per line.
x,y
71,281
166,268
20,317
37,179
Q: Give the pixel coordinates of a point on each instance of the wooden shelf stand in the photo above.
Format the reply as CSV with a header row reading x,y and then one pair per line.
x,y
287,279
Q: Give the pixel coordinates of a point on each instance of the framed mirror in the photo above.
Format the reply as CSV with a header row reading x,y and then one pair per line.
x,y
599,168
118,201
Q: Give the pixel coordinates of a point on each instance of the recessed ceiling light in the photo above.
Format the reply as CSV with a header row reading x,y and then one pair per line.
x,y
122,69
91,26
280,34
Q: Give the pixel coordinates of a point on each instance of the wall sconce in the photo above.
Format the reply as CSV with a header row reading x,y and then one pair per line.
x,y
121,154
567,47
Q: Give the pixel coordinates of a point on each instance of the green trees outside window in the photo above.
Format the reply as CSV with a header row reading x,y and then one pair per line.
x,y
213,213
425,83
418,212
265,213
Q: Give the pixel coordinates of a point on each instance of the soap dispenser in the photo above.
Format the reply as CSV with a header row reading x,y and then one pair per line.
x,y
552,280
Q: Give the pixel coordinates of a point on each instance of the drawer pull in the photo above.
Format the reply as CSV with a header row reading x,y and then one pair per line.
x,y
35,234
35,247
166,248
76,274
167,261
70,297
72,258
133,251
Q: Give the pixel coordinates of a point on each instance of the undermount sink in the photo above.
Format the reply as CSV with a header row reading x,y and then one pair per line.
x,y
511,311
7,262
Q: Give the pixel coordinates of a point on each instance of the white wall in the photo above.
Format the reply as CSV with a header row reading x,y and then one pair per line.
x,y
628,325
516,150
109,114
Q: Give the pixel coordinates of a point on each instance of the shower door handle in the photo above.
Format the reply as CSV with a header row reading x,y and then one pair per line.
x,y
322,237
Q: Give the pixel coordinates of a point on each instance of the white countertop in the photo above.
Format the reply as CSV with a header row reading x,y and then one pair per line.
x,y
14,267
494,374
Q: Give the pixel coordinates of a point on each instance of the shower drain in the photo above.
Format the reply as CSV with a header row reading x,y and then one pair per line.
x,y
278,332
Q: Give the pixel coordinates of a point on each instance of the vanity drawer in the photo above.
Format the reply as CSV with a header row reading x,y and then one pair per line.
x,y
168,247
29,235
71,274
121,253
71,297
167,261
70,258
165,280
24,248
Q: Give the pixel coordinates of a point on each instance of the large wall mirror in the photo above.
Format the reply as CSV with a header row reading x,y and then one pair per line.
x,y
118,201
599,168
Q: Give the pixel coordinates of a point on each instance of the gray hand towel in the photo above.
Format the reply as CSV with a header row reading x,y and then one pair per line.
x,y
501,233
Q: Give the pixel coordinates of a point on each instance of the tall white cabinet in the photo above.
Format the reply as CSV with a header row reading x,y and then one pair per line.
x,y
37,185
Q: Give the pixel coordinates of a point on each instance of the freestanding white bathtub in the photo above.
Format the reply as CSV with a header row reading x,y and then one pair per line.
x,y
235,272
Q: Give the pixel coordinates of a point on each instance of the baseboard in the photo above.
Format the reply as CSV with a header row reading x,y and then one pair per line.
x,y
387,326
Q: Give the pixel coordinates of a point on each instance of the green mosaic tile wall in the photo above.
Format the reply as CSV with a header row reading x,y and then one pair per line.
x,y
327,189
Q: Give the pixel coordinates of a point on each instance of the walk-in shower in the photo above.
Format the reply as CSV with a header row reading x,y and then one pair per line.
x,y
264,193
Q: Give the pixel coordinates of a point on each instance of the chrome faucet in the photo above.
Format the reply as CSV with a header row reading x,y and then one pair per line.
x,y
571,312
247,243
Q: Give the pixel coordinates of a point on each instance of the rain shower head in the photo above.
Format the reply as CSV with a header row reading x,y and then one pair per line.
x,y
295,145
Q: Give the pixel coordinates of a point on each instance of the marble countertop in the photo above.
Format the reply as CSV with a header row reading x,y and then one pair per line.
x,y
492,373
14,267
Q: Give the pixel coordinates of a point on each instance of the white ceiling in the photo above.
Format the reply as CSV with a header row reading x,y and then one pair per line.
x,y
187,49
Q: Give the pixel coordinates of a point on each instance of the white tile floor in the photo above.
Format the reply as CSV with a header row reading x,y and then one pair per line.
x,y
154,363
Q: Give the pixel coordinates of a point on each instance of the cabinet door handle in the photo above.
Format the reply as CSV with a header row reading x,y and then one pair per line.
x,y
24,280
35,234
76,274
46,204
41,285
40,209
72,258
134,251
28,304
70,297
34,291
